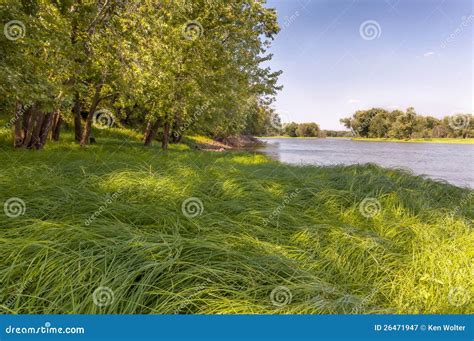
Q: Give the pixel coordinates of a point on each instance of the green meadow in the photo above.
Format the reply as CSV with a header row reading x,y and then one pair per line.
x,y
118,228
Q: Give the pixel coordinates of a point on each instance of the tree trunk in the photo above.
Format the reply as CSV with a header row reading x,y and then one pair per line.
x,y
151,131
76,109
166,136
56,128
176,131
45,129
35,141
28,124
146,136
88,125
18,132
77,117
147,130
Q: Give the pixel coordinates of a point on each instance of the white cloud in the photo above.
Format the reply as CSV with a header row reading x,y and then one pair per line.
x,y
354,101
429,54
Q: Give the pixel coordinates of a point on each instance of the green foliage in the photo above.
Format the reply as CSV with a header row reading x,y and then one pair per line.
x,y
301,129
307,130
144,60
335,133
291,129
380,123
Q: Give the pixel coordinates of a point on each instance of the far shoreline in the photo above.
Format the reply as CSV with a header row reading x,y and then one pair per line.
x,y
365,139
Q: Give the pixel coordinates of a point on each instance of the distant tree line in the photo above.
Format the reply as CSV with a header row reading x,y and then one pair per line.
x,y
293,129
381,123
301,129
335,133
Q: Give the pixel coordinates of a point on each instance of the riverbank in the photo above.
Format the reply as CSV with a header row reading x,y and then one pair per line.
x,y
237,142
364,139
287,137
187,231
434,140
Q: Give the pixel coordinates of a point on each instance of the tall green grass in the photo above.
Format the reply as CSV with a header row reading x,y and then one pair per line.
x,y
255,247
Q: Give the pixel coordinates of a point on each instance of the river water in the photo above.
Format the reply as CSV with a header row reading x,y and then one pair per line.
x,y
451,162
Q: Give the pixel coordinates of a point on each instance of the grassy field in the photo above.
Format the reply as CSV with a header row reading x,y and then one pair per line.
x,y
115,228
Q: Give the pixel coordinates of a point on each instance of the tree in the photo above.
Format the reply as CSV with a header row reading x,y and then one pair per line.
x,y
291,129
145,62
404,125
360,122
308,130
379,124
33,75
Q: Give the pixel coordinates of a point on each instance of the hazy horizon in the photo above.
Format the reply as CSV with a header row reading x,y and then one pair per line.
x,y
346,55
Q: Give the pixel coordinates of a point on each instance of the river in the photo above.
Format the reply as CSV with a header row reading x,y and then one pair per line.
x,y
451,162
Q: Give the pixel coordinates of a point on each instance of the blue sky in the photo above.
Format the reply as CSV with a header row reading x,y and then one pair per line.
x,y
414,53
